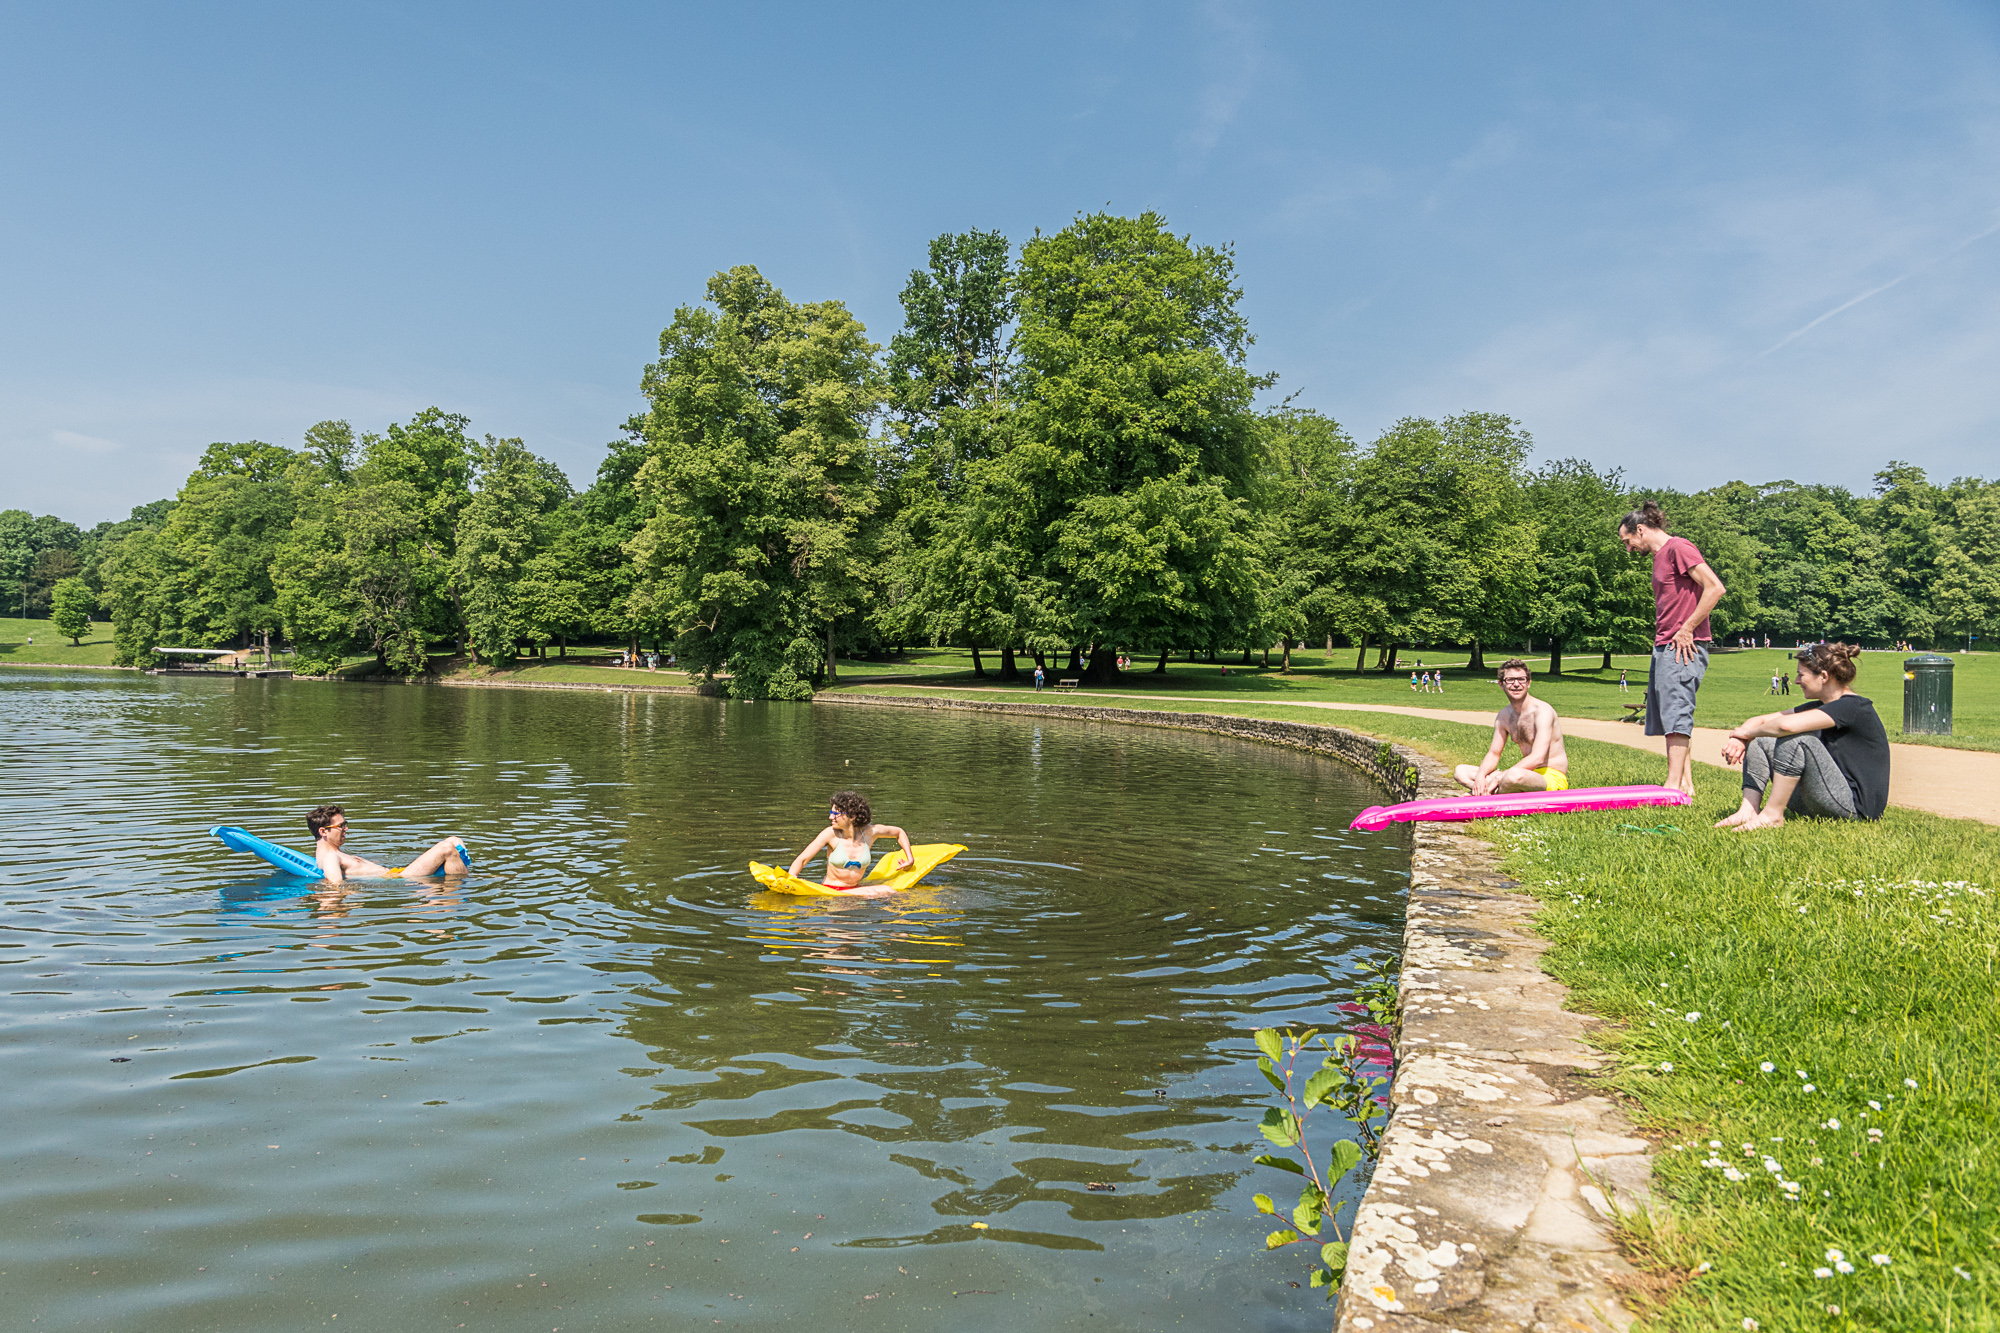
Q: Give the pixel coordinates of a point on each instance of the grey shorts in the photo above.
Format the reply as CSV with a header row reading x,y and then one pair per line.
x,y
1670,691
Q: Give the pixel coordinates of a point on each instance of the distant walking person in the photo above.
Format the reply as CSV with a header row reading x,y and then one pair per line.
x,y
1685,590
1785,683
1624,684
1038,675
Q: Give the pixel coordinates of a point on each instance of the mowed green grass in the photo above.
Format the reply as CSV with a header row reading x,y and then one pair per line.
x,y
1851,959
1814,1005
558,671
1736,687
49,646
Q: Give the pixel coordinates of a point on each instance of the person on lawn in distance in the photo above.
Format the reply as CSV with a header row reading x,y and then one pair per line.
x,y
1828,758
1533,726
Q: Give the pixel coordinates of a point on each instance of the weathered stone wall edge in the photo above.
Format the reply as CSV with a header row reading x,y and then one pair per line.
x,y
1502,1167
1391,765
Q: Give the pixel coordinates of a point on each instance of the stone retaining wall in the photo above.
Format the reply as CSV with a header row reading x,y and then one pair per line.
x,y
1390,765
1502,1167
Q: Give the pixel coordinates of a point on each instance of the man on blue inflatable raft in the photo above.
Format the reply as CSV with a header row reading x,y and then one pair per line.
x,y
328,825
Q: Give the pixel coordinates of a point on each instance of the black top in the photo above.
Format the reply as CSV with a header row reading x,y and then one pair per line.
x,y
1860,746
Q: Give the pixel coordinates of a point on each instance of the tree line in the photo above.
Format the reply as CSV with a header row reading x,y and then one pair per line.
x,y
1060,455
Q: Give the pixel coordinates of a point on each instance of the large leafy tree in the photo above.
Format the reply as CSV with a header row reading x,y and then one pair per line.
x,y
367,563
1905,516
499,533
71,605
1308,465
223,533
763,484
950,381
1968,567
1578,597
1120,508
35,553
1437,543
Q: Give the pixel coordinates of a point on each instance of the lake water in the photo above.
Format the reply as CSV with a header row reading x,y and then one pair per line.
x,y
605,1083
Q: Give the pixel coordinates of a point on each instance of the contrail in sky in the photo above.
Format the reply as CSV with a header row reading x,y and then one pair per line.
x,y
1804,329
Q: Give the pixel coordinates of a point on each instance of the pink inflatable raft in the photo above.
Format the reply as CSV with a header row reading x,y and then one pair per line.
x,y
1453,809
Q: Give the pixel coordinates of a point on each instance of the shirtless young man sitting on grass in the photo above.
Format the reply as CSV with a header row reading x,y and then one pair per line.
x,y
1532,725
328,825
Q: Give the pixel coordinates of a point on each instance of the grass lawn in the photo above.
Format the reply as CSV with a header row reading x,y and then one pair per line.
x,y
50,646
1776,995
560,671
1737,685
1808,1023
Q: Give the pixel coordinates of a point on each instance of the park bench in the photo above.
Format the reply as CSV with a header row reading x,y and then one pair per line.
x,y
1634,712
1068,684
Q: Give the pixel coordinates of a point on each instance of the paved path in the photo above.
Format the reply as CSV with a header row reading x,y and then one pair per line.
x,y
1964,784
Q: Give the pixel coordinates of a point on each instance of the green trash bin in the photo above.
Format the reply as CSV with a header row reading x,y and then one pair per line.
x,y
1927,695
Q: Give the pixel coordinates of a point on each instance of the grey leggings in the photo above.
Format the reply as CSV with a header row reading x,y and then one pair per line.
x,y
1822,792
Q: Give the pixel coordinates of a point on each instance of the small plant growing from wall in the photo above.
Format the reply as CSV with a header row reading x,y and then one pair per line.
x,y
1354,1068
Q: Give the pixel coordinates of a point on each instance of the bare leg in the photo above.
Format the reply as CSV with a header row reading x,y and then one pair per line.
x,y
1775,801
443,855
1466,774
1744,814
1521,779
1680,773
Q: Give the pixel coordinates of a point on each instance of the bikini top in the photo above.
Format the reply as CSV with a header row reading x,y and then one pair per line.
x,y
856,859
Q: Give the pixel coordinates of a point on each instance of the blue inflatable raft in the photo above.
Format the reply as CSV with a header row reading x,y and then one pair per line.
x,y
284,858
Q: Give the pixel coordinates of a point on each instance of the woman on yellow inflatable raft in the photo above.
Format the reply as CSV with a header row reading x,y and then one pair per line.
x,y
848,841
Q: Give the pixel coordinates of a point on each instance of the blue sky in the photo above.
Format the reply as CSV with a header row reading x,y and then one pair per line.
x,y
1698,242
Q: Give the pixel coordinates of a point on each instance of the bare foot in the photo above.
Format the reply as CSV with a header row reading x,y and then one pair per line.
x,y
1739,818
1762,820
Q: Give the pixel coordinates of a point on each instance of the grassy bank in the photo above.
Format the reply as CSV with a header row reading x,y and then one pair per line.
x,y
1808,1021
53,647
1776,995
1737,686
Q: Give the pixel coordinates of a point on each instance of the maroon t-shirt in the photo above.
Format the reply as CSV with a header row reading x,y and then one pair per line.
x,y
1676,592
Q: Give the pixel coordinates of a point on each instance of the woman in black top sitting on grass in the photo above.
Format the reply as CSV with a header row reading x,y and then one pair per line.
x,y
1828,758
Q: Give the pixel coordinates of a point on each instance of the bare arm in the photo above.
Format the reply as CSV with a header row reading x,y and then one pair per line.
x,y
1545,733
812,850
902,839
1482,782
1772,724
1711,593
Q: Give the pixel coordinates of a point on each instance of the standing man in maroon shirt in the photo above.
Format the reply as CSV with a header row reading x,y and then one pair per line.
x,y
1685,590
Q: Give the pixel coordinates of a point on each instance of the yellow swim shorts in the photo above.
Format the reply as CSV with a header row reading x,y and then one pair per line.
x,y
1558,781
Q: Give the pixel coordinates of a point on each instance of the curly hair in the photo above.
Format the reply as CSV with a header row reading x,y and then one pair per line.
x,y
318,818
1514,664
1830,659
855,806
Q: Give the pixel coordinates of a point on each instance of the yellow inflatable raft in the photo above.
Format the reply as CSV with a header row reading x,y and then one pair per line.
x,y
929,856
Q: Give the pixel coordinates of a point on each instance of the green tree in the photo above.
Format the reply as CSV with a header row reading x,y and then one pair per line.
x,y
1904,519
1436,540
950,376
1577,597
1308,464
1968,566
35,552
499,532
223,533
763,485
139,590
73,603
1120,508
